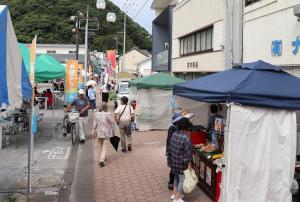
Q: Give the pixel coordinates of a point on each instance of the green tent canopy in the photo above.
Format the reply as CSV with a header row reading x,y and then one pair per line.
x,y
49,59
159,80
45,69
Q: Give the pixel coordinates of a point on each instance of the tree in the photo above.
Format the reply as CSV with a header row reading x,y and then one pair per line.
x,y
51,21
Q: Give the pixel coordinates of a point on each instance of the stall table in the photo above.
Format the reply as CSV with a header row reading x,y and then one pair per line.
x,y
206,172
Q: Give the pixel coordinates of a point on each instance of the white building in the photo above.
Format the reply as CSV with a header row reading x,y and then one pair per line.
x,y
198,38
128,63
61,52
271,32
145,67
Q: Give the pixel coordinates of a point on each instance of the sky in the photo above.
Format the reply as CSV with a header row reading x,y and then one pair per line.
x,y
139,10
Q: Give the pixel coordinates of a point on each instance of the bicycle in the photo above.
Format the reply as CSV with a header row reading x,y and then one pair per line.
x,y
69,125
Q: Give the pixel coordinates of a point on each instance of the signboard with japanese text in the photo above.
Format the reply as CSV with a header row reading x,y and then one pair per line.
x,y
71,80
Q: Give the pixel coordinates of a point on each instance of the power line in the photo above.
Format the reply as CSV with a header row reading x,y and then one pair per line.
x,y
131,6
145,3
124,4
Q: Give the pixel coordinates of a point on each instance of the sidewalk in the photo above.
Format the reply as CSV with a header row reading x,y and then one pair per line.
x,y
141,175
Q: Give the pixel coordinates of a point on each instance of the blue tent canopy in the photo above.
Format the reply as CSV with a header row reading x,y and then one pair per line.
x,y
252,84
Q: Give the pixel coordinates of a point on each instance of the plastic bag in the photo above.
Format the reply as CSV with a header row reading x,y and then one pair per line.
x,y
190,181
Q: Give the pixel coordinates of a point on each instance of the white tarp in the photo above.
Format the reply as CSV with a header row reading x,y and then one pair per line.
x,y
260,150
153,109
199,109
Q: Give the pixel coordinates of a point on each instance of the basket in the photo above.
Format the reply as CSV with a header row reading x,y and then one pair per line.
x,y
73,116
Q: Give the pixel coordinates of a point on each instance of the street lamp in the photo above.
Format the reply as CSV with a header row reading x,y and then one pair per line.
x,y
111,17
76,30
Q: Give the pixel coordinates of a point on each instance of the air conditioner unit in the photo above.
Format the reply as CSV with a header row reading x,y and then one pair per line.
x,y
297,11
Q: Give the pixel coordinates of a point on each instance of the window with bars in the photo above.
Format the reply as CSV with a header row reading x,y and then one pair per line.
x,y
200,41
250,2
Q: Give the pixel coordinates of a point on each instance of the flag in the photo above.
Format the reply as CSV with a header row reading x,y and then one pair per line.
x,y
14,81
71,80
32,69
111,58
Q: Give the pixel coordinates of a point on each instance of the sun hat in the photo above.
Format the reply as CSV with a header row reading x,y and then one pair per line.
x,y
81,91
176,117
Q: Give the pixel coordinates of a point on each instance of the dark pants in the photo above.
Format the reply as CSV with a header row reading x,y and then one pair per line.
x,y
93,104
105,97
171,178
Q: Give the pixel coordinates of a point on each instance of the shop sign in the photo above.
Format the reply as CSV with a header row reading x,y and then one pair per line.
x,y
276,47
192,65
296,45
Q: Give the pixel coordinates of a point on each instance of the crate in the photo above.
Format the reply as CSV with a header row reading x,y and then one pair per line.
x,y
73,116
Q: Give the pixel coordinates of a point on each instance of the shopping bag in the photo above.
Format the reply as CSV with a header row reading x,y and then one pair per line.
x,y
190,180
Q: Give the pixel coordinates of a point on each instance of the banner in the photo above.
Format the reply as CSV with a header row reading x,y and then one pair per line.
x,y
80,77
111,58
71,81
32,69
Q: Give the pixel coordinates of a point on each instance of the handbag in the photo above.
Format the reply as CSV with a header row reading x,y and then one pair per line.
x,y
190,180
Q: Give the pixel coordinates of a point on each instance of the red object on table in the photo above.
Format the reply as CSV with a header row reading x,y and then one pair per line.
x,y
218,186
198,137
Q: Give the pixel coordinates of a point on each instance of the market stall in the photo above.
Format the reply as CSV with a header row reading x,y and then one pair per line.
x,y
14,82
153,95
260,133
45,68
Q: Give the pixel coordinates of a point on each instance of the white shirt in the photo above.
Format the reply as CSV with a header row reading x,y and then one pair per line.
x,y
104,88
126,116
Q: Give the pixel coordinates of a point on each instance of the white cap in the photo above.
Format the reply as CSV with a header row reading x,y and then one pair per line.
x,y
81,91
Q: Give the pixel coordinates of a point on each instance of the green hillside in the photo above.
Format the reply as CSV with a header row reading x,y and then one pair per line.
x,y
50,19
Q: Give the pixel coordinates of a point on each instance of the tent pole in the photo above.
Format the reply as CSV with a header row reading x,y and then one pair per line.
x,y
53,104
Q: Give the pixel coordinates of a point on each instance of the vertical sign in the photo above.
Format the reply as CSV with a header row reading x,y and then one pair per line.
x,y
111,58
80,77
71,80
33,115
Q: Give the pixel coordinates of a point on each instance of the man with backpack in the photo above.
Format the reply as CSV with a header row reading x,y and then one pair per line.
x,y
105,89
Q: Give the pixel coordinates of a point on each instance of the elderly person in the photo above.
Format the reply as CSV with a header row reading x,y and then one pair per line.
x,y
82,106
123,115
180,155
103,129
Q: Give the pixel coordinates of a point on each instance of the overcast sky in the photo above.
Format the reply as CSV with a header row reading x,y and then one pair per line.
x,y
139,10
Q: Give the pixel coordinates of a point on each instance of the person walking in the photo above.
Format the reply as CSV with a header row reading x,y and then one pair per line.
x,y
82,106
105,89
103,129
180,155
92,97
123,115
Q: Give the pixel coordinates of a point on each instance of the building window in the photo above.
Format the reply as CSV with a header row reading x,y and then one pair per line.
x,y
71,51
197,42
249,2
51,51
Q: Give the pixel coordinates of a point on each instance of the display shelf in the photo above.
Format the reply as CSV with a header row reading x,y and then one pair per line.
x,y
206,172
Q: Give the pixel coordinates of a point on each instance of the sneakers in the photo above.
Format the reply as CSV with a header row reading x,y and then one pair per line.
x,y
124,150
82,141
173,198
129,148
102,164
179,200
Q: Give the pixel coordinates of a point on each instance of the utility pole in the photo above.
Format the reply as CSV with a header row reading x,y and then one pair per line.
x,y
124,43
86,44
77,38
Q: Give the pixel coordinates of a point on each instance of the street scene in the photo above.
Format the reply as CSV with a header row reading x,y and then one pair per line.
x,y
149,100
